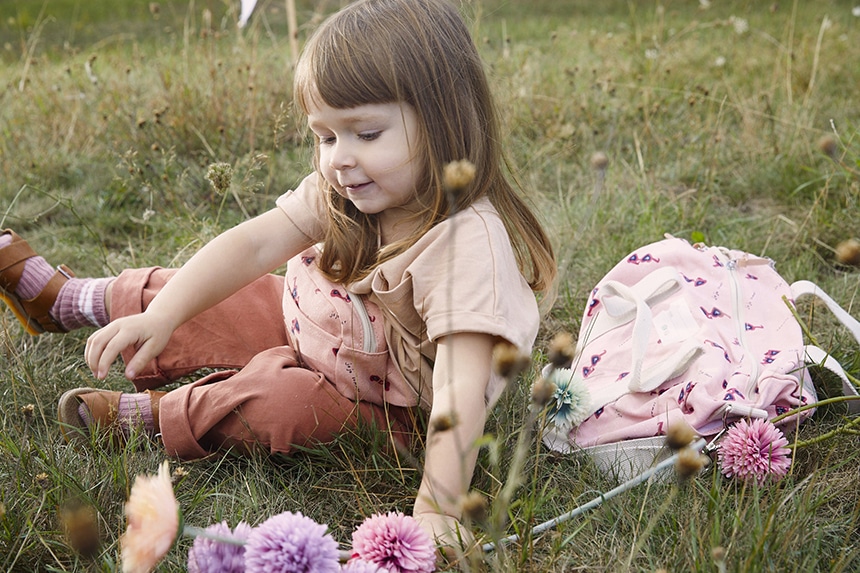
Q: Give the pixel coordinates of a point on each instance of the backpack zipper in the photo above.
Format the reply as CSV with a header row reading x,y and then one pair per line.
x,y
737,315
366,326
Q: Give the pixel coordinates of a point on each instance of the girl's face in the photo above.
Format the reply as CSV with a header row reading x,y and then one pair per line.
x,y
368,154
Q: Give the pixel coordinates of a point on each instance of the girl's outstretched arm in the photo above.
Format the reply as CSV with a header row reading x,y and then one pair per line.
x,y
460,377
232,260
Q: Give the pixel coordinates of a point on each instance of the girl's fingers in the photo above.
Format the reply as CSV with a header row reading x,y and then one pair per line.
x,y
103,348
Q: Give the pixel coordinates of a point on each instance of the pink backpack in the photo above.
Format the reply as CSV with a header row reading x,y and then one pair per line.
x,y
685,332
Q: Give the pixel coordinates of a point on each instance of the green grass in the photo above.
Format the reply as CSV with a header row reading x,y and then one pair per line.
x,y
110,115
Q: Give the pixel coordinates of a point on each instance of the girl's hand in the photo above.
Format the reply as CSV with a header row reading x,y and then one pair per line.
x,y
453,540
147,334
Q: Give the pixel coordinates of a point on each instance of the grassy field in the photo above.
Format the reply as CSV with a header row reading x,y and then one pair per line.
x,y
711,116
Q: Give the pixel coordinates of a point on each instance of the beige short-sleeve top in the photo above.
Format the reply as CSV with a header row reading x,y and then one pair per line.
x,y
461,276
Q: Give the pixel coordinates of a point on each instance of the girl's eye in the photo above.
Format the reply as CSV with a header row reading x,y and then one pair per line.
x,y
327,139
369,135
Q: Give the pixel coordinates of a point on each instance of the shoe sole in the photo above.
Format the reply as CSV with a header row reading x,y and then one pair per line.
x,y
73,428
14,304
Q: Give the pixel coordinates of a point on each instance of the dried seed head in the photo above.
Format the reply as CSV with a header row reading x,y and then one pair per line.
x,y
475,506
561,350
689,463
443,422
718,554
28,411
43,480
508,361
848,252
458,175
599,161
179,473
81,528
828,145
542,391
220,175
679,435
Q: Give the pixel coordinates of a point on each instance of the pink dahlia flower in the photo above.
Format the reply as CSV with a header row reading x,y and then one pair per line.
x,y
153,522
291,543
395,543
754,450
208,555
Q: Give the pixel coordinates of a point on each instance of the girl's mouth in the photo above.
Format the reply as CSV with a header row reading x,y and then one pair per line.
x,y
356,188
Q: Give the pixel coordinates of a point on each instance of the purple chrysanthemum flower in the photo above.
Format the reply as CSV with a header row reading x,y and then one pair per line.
x,y
360,566
395,542
754,450
291,543
213,556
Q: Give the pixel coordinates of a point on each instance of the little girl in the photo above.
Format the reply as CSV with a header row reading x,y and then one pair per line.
x,y
397,288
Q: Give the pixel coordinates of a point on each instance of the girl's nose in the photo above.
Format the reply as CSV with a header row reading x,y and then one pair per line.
x,y
341,157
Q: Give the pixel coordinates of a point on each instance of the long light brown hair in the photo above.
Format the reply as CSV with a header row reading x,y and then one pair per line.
x,y
419,52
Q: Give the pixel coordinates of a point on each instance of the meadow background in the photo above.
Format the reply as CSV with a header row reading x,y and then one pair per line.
x,y
711,116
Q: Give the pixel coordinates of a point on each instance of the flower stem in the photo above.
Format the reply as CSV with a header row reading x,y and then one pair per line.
x,y
629,484
834,400
826,435
192,531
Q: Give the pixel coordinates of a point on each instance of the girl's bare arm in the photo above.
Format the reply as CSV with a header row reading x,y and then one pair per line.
x,y
226,264
460,377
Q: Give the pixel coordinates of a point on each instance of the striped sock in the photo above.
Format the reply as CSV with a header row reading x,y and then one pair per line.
x,y
81,302
37,273
135,411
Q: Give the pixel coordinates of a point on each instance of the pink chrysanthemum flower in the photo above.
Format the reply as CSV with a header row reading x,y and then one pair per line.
x,y
359,566
153,522
209,555
395,543
291,543
754,450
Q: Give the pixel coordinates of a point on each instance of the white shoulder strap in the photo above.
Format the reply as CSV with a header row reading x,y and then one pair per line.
x,y
816,355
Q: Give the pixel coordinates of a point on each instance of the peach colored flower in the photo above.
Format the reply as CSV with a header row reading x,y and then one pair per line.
x,y
153,522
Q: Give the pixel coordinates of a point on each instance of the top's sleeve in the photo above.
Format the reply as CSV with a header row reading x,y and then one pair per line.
x,y
469,281
304,206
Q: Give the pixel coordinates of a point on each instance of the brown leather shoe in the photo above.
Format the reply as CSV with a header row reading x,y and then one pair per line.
x,y
35,313
104,409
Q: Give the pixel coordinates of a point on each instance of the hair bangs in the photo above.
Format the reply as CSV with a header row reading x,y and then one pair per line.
x,y
341,66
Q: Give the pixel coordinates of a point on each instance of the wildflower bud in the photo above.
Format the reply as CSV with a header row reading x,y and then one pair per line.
x,y
828,145
220,175
599,161
561,350
81,528
443,422
679,435
542,391
458,175
43,480
848,252
718,554
475,507
179,473
508,361
689,463
28,411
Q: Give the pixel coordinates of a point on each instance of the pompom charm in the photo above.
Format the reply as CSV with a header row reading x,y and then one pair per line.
x,y
570,403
